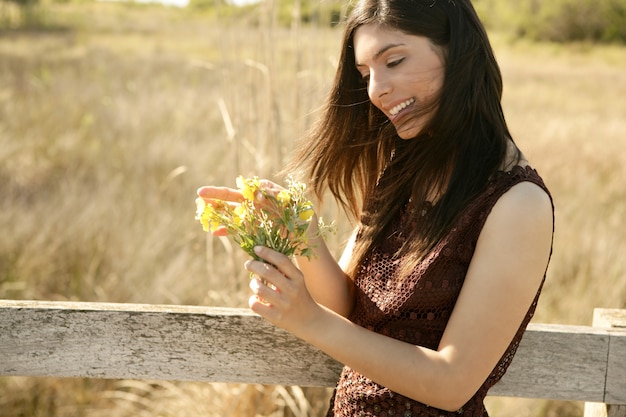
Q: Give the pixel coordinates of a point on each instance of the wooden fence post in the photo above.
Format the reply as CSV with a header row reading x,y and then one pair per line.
x,y
615,396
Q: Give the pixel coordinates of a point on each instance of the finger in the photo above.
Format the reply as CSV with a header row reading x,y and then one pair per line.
x,y
220,231
259,306
265,292
220,193
270,187
280,261
268,276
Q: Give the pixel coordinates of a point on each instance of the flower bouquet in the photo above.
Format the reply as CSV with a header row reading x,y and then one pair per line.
x,y
279,222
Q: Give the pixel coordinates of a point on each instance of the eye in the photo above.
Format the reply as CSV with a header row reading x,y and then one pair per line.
x,y
395,63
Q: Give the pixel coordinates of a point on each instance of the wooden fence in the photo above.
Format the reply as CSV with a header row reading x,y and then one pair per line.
x,y
132,341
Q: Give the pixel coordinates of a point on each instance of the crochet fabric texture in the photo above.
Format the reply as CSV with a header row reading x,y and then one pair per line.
x,y
416,309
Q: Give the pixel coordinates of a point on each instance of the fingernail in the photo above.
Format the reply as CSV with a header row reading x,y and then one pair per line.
x,y
254,284
258,249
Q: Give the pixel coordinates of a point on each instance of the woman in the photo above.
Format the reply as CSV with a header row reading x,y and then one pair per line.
x,y
437,284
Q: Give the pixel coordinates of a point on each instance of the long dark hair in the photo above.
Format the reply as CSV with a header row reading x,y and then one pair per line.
x,y
353,147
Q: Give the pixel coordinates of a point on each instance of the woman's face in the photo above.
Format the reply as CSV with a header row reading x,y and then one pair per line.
x,y
403,73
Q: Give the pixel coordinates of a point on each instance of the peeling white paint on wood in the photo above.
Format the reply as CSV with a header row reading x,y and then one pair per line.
x,y
154,342
131,341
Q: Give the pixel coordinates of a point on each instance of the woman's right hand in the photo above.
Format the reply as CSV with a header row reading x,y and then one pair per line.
x,y
229,195
233,196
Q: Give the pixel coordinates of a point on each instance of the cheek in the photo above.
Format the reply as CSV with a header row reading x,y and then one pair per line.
x,y
433,87
428,83
437,84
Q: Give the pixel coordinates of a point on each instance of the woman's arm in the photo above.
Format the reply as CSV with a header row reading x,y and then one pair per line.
x,y
503,278
325,279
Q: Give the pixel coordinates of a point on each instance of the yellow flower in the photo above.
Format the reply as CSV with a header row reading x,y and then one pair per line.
x,y
306,214
207,224
248,187
205,213
202,213
284,197
281,222
240,214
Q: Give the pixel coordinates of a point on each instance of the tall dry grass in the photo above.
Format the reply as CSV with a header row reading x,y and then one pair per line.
x,y
108,126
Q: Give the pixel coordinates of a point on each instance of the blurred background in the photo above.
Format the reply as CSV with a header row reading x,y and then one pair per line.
x,y
113,113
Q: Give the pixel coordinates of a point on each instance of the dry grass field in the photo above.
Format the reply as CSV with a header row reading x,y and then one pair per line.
x,y
112,118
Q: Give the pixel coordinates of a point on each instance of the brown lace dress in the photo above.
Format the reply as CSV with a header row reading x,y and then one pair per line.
x,y
416,309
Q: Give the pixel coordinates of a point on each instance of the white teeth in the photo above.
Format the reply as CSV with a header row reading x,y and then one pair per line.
x,y
397,109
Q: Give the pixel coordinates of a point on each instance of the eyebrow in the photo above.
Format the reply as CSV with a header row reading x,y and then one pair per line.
x,y
382,51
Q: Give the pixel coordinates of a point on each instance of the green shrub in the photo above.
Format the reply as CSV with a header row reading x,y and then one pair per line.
x,y
580,20
558,20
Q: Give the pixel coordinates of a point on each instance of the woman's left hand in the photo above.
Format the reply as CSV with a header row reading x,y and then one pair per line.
x,y
280,293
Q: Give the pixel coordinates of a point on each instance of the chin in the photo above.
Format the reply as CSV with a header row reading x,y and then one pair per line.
x,y
408,134
409,130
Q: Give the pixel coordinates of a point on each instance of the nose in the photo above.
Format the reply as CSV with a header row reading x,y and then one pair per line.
x,y
378,86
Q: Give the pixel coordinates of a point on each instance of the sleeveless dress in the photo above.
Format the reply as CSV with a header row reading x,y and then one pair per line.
x,y
416,309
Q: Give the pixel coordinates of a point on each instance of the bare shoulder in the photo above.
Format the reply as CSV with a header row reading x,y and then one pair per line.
x,y
519,229
518,232
524,203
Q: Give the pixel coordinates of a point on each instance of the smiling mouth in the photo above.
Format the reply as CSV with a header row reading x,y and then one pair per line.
x,y
397,109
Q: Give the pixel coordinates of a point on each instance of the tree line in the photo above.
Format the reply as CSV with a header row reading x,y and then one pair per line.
x,y
601,21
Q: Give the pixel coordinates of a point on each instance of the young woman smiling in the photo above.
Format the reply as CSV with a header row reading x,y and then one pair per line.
x,y
454,228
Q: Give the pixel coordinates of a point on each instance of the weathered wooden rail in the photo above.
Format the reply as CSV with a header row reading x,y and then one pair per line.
x,y
131,341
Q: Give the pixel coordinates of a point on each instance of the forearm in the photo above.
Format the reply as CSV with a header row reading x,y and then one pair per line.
x,y
413,371
326,281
